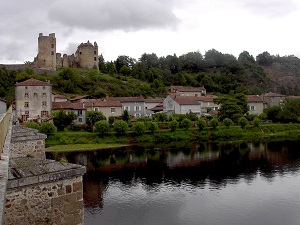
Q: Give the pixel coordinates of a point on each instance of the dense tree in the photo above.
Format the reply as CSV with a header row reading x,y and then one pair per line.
x,y
92,117
102,127
290,111
264,59
62,119
138,128
120,127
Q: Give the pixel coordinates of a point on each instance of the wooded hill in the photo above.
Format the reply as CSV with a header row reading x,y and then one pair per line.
x,y
152,76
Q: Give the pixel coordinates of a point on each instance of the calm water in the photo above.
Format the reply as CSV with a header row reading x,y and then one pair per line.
x,y
207,184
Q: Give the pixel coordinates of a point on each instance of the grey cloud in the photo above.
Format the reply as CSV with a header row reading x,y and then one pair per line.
x,y
127,15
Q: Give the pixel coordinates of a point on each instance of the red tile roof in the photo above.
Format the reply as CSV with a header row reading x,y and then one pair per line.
x,y
254,98
100,103
60,96
67,105
82,97
127,99
33,82
186,100
154,100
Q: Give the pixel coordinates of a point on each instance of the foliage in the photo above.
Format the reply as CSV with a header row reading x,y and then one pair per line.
x,y
173,125
243,122
256,122
290,111
120,127
92,117
152,127
102,127
186,123
111,120
273,113
62,119
214,123
201,123
138,128
227,122
33,125
160,117
125,116
47,128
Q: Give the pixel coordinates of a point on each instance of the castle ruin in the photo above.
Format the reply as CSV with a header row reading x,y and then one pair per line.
x,y
86,55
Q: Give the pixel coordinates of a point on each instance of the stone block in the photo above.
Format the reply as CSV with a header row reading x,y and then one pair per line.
x,y
70,198
57,202
77,186
72,207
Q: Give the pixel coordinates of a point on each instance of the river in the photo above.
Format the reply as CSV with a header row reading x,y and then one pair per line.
x,y
189,184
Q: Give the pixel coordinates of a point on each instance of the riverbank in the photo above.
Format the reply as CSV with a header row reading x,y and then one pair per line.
x,y
85,141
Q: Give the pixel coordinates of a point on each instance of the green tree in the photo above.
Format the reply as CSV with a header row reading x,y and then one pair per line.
x,y
256,122
227,122
111,120
152,127
120,127
201,123
47,128
125,116
102,127
92,117
125,70
138,128
243,122
214,123
62,119
186,123
273,113
173,125
290,111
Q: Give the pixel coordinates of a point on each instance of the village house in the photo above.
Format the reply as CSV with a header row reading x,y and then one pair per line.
x,y
59,98
81,99
153,105
174,104
273,99
256,104
188,91
134,105
77,108
108,108
33,100
208,104
3,106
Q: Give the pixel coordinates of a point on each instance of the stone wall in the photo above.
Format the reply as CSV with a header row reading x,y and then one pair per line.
x,y
59,202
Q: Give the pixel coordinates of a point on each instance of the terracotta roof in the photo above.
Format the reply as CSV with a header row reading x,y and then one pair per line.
x,y
254,98
271,94
81,97
127,99
186,100
33,82
157,108
100,103
154,100
60,96
67,105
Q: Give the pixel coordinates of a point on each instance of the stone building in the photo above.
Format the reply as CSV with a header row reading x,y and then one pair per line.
x,y
46,57
33,100
87,55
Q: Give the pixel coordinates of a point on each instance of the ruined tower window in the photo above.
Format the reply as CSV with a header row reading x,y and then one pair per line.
x,y
26,104
52,52
26,95
95,58
80,53
95,52
52,45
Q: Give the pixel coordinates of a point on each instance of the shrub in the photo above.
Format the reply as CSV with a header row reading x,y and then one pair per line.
x,y
256,122
186,123
227,122
125,116
243,122
33,125
214,123
173,125
102,127
120,127
138,128
201,123
111,120
47,128
152,127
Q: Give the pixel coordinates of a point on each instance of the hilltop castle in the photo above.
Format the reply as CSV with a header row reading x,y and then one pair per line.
x,y
86,55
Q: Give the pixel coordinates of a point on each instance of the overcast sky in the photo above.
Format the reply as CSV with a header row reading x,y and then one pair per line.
x,y
164,27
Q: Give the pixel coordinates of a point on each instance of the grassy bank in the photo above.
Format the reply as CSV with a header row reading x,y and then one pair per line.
x,y
82,140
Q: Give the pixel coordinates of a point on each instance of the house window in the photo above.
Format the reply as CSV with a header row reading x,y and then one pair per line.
x,y
26,104
44,103
44,87
137,115
44,95
44,113
95,58
35,95
112,110
79,119
26,95
137,108
96,109
79,112
25,87
252,108
126,108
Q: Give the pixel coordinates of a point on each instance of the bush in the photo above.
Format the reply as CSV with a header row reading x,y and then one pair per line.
x,y
152,127
47,128
214,123
77,127
256,122
227,122
173,125
201,123
138,128
33,125
243,122
102,127
186,123
120,127
111,120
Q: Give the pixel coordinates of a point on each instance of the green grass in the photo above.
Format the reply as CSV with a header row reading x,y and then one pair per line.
x,y
81,147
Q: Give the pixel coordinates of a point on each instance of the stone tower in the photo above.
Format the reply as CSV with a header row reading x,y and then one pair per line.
x,y
46,58
87,55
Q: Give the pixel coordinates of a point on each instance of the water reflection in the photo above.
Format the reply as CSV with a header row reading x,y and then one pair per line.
x,y
170,184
